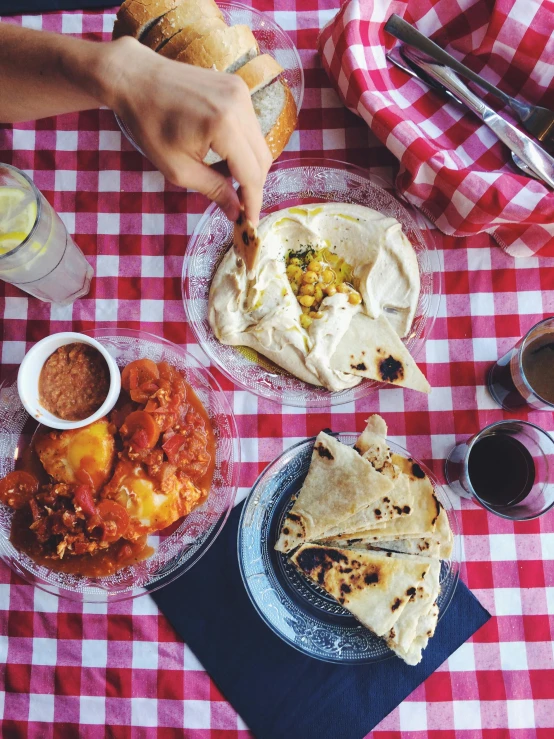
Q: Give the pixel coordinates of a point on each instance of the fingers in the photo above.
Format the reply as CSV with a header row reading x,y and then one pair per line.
x,y
240,142
214,185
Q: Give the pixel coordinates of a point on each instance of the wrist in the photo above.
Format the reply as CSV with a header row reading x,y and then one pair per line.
x,y
108,71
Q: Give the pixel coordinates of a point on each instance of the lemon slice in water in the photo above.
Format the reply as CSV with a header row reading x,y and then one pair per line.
x,y
18,212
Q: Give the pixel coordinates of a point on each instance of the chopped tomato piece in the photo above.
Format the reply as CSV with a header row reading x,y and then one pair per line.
x,y
115,518
167,372
173,446
18,488
141,429
83,498
141,371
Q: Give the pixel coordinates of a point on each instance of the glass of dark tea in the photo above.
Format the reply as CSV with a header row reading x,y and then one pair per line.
x,y
508,468
525,375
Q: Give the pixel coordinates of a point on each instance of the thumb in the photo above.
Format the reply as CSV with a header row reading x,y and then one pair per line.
x,y
215,186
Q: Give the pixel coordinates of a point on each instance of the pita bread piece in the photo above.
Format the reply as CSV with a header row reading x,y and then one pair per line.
x,y
420,546
372,445
426,507
372,348
246,243
375,587
398,502
338,485
404,632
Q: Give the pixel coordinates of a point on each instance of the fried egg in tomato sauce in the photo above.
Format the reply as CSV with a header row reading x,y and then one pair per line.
x,y
84,455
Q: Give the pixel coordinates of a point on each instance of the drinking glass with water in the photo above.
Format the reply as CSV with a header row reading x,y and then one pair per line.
x,y
36,252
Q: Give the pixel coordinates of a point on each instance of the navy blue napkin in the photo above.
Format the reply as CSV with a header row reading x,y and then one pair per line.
x,y
19,7
276,690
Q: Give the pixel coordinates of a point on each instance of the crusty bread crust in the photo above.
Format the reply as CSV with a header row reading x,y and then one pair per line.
x,y
181,17
220,48
285,124
187,35
135,16
259,72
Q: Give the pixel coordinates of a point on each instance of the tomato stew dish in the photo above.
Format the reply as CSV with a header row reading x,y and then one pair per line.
x,y
85,500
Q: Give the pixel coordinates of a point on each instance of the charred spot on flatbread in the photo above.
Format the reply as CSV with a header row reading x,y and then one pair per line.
x,y
417,471
319,560
322,450
378,513
438,506
361,367
371,578
406,509
244,236
391,370
397,603
411,592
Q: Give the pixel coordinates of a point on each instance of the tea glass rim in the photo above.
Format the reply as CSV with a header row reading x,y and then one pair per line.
x,y
470,444
38,201
521,350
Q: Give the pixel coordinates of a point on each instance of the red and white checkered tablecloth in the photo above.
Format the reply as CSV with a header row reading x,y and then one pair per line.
x,y
69,670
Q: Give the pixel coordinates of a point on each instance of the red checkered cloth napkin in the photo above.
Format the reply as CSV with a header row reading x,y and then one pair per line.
x,y
452,168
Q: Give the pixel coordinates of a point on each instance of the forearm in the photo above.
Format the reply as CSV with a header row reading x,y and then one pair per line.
x,y
44,74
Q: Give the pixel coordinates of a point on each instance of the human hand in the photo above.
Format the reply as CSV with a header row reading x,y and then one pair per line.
x,y
177,112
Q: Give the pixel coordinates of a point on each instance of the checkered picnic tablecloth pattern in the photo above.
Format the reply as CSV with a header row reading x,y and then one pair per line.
x,y
68,670
452,166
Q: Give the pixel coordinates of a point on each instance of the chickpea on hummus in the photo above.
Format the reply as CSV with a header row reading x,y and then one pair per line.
x,y
326,291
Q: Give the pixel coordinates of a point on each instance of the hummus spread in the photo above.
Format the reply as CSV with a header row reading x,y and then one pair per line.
x,y
317,268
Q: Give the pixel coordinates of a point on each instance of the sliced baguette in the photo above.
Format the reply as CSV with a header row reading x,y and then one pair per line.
x,y
259,72
276,111
224,49
136,17
186,36
181,17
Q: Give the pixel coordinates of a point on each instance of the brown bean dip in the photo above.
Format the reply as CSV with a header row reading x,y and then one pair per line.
x,y
74,382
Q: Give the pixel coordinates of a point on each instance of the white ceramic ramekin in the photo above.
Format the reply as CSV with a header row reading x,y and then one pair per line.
x,y
29,373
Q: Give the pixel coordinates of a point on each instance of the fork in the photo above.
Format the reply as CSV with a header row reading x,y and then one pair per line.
x,y
535,119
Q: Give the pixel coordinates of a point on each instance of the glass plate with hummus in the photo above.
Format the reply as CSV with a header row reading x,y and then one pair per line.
x,y
302,612
341,294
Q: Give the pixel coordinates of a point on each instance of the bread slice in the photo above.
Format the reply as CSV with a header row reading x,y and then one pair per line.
x,y
259,72
224,49
183,16
186,36
136,17
276,111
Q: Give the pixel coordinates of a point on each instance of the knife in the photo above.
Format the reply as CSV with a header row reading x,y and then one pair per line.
x,y
533,155
395,56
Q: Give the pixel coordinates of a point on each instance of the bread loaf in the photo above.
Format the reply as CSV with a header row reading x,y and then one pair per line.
x,y
224,49
187,35
259,72
181,17
276,111
136,17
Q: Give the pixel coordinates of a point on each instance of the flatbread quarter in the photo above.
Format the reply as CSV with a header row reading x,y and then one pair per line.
x,y
338,485
374,586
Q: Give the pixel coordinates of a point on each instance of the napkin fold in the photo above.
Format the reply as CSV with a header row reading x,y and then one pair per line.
x,y
278,691
20,7
452,167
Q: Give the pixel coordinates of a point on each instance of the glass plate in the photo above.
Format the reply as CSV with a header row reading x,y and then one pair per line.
x,y
300,182
294,607
174,553
271,39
